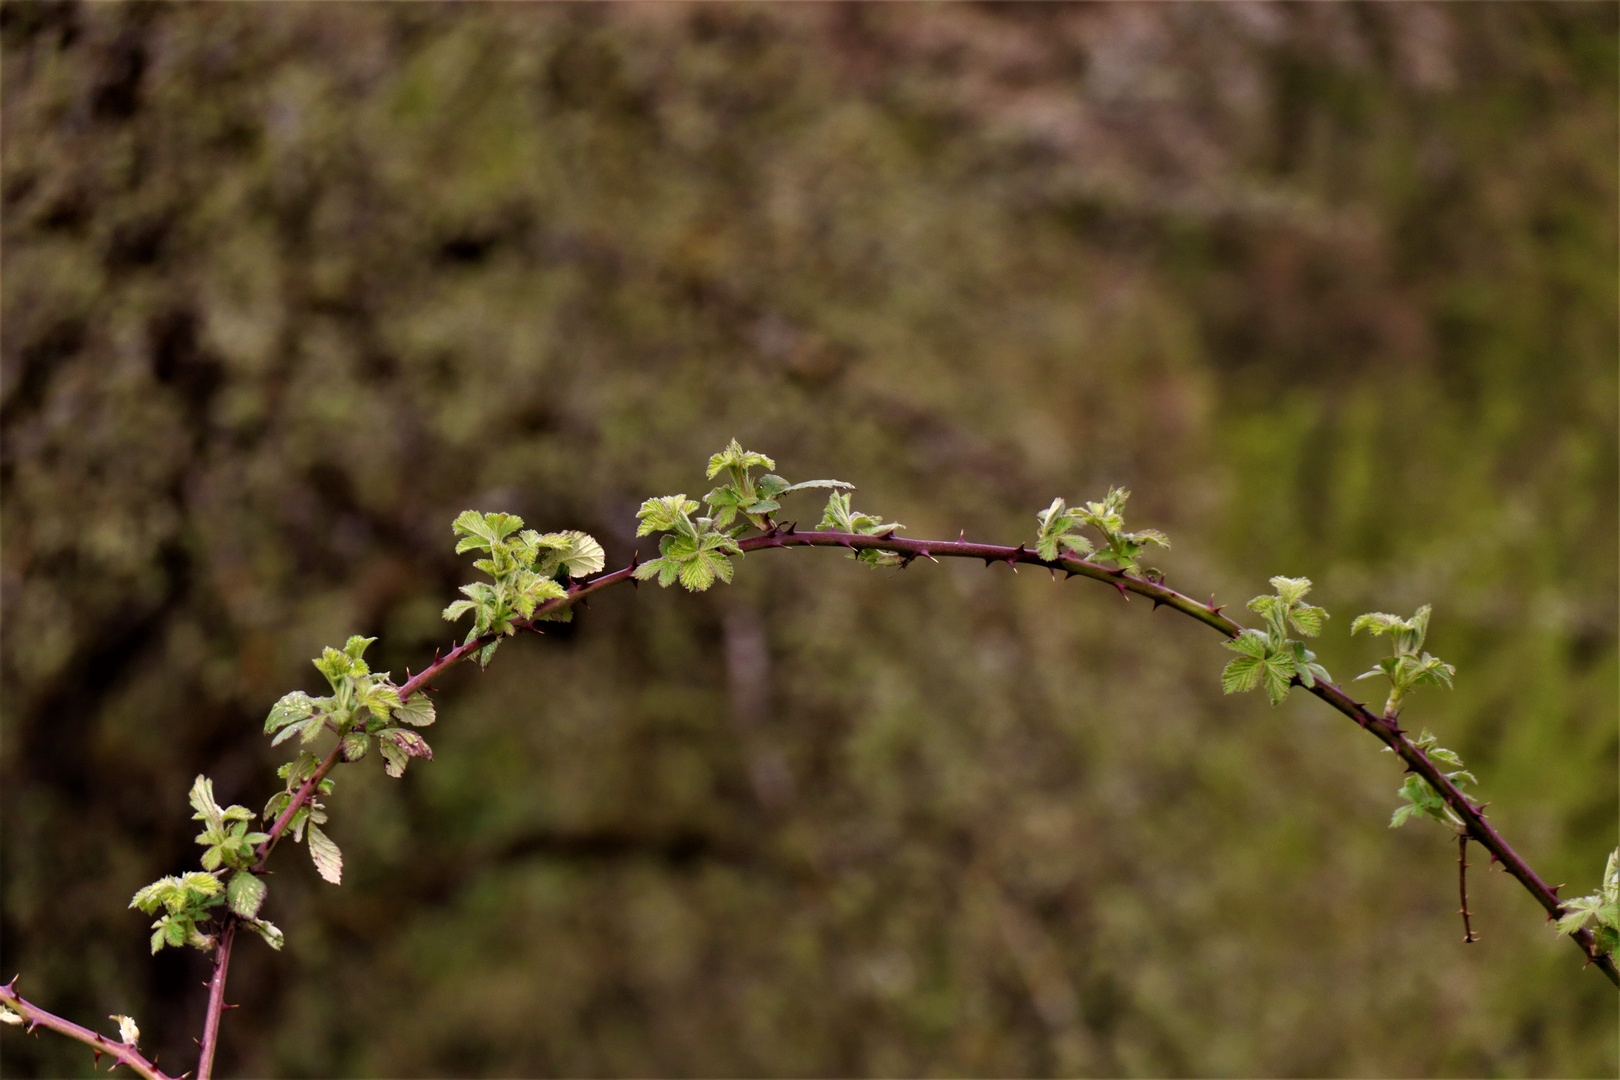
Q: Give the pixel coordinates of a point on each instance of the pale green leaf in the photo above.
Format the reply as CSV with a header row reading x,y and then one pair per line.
x,y
328,859
246,893
417,711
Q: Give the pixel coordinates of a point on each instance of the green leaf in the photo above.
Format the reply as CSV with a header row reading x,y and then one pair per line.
x,y
663,514
1307,619
328,859
202,800
355,745
575,552
356,646
394,759
407,741
246,893
416,710
268,931
292,707
1277,673
696,574
801,485
1241,674
1249,643
735,457
1291,590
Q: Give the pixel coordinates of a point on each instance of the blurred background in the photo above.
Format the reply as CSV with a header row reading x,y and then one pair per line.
x,y
1330,287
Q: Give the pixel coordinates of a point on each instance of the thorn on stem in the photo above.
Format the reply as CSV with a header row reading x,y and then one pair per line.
x,y
792,527
1120,585
887,536
1157,603
1067,573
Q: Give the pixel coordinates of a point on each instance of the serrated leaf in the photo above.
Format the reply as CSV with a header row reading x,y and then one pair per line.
x,y
696,574
1277,673
355,745
202,801
1291,590
1307,619
1249,643
417,711
734,456
272,936
245,893
292,707
802,484
327,858
1240,675
356,646
394,759
664,513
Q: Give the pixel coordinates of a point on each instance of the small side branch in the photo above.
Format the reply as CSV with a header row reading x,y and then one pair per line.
x,y
1469,937
37,1017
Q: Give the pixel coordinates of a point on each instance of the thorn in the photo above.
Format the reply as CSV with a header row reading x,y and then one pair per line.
x,y
905,560
792,526
887,536
774,530
1157,603
1067,573
224,1006
961,535
847,544
989,560
635,561
1018,552
98,1056
1053,570
1120,585
924,553
586,604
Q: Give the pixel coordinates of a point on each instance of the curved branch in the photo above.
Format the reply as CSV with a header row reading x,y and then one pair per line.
x,y
38,1017
1386,729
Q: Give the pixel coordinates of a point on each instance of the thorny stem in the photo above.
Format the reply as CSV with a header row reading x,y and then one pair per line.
x,y
216,1000
1385,728
1462,887
38,1017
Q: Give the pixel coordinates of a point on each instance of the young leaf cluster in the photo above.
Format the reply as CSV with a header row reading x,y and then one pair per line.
x,y
364,706
1273,659
697,550
187,900
755,500
1420,795
1059,525
527,570
693,551
1410,666
840,518
1600,911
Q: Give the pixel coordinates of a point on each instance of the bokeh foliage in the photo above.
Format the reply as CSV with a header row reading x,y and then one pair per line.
x,y
1329,287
